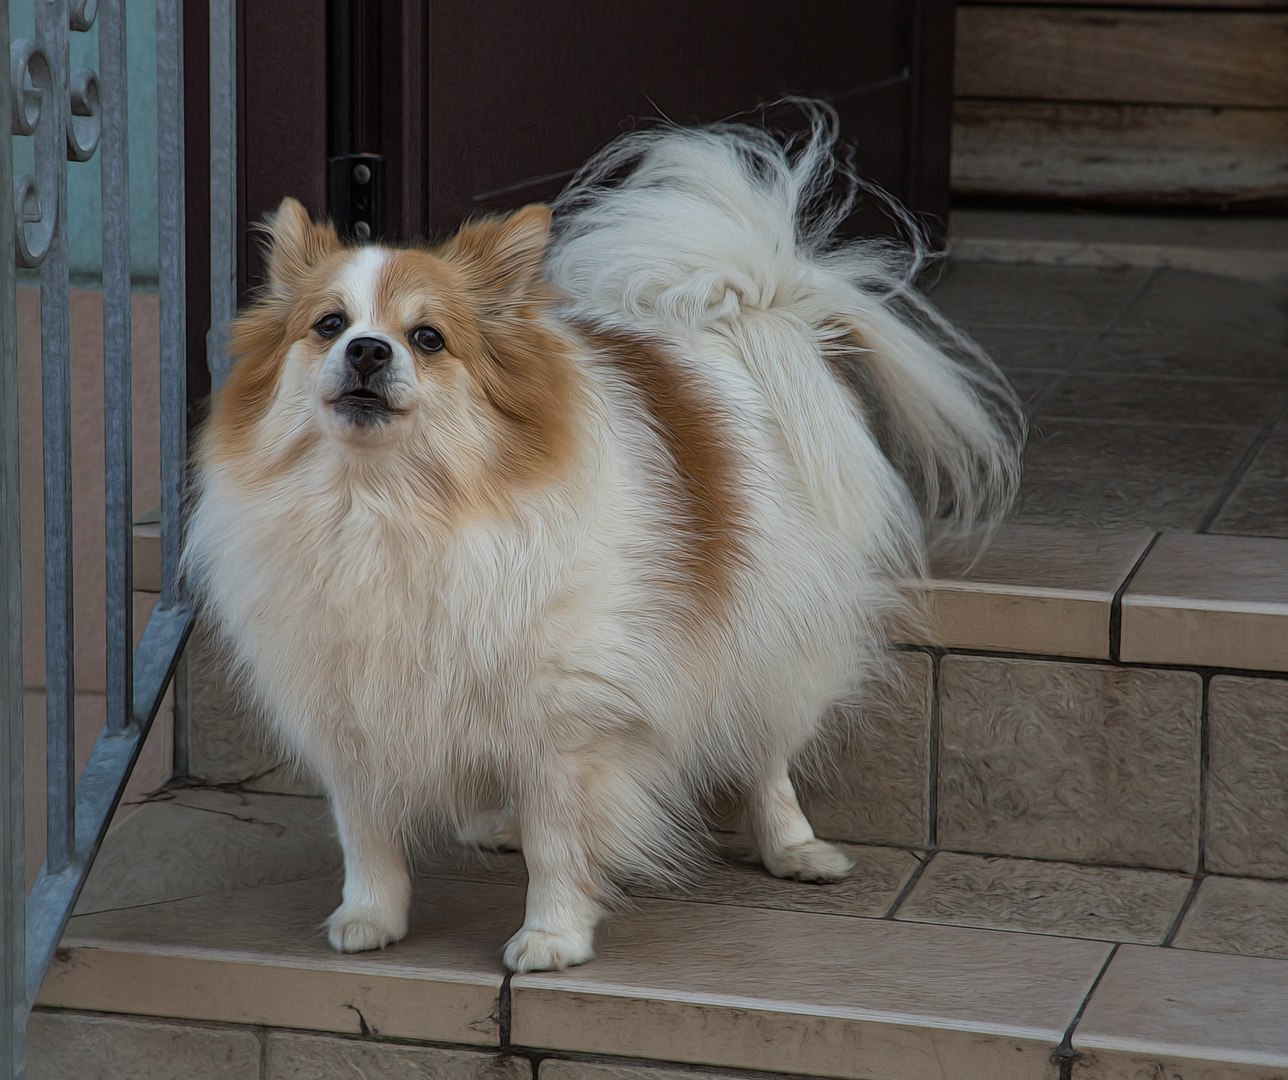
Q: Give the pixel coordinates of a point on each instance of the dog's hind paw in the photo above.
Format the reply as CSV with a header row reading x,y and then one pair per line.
x,y
357,929
542,950
813,860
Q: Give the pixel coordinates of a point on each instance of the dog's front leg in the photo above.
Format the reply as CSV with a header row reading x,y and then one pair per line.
x,y
564,885
377,887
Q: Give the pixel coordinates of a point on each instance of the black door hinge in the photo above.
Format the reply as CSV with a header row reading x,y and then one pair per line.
x,y
357,185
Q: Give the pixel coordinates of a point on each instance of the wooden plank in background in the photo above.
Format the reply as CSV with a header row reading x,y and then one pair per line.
x,y
1122,153
1145,57
1227,5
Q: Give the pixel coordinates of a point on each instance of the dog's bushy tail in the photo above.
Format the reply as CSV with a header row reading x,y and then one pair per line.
x,y
681,228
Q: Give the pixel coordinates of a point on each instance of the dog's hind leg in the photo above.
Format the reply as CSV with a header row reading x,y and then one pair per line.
x,y
377,887
783,834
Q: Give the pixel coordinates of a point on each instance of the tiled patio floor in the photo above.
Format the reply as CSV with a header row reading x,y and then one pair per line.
x,y
1156,396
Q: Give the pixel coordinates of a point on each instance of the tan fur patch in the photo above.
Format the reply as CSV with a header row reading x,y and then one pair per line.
x,y
691,427
522,369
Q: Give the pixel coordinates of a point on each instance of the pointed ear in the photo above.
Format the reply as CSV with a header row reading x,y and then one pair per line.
x,y
503,255
295,245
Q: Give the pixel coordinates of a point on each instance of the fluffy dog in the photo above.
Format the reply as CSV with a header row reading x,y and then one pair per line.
x,y
551,534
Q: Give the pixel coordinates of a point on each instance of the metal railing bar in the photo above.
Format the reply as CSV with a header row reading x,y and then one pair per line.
x,y
223,185
55,368
114,164
13,886
173,299
101,784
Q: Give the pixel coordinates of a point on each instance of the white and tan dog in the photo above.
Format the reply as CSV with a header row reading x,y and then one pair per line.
x,y
551,536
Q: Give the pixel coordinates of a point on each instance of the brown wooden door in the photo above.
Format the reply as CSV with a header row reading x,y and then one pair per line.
x,y
473,106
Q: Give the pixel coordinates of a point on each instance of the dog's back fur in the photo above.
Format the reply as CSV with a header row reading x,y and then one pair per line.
x,y
631,550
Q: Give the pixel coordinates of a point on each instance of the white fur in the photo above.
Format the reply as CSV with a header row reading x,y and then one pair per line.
x,y
523,676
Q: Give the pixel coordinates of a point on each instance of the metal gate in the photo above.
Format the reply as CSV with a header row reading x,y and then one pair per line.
x,y
70,115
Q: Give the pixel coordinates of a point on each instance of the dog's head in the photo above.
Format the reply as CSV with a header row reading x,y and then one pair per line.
x,y
441,363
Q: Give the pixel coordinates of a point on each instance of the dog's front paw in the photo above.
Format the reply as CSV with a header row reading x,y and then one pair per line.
x,y
357,928
813,860
544,950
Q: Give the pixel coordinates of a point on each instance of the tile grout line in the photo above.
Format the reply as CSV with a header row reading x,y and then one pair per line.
x,y
1205,749
908,886
1137,665
932,763
1175,928
1116,604
1065,1054
1245,463
1080,361
504,1005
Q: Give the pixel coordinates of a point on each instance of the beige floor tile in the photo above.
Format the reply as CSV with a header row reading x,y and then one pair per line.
x,y
1186,1014
1247,812
1118,475
1229,352
1036,589
1178,300
1238,915
292,1056
730,876
201,843
258,956
1047,898
734,879
557,1069
1210,600
1166,399
68,1046
871,784
1069,761
1033,350
1259,505
1271,462
1256,508
816,994
1030,386
1001,295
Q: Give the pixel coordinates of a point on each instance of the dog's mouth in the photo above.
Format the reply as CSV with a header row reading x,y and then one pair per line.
x,y
363,406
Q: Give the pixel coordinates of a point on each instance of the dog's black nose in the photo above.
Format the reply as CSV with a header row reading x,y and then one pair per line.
x,y
367,355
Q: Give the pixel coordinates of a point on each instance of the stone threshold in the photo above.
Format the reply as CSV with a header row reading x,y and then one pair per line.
x,y
1134,596
1251,248
697,984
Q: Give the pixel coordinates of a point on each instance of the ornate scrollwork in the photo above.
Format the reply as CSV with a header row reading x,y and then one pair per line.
x,y
81,14
35,199
28,63
35,204
82,138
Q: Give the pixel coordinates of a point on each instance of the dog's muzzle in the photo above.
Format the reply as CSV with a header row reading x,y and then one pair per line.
x,y
362,398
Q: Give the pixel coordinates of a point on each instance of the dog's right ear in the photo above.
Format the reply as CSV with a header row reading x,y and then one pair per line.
x,y
295,245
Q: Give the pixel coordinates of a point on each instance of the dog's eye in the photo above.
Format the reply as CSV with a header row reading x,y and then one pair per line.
x,y
329,325
427,339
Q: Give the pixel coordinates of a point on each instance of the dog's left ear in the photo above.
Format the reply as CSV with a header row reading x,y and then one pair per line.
x,y
503,255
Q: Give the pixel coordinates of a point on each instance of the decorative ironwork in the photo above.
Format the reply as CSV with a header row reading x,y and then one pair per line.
x,y
35,201
68,114
82,139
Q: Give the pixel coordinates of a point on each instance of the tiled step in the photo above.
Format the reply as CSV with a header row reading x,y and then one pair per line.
x,y
1173,599
926,966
